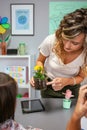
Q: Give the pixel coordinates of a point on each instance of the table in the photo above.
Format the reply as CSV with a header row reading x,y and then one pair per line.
x,y
55,117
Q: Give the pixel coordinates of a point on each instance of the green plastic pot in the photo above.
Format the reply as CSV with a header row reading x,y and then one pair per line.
x,y
66,103
19,95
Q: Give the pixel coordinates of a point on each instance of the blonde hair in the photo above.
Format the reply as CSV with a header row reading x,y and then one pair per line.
x,y
71,26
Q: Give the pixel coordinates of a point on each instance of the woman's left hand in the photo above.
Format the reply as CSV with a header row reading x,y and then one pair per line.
x,y
58,83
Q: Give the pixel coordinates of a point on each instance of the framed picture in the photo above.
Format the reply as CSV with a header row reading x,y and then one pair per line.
x,y
22,19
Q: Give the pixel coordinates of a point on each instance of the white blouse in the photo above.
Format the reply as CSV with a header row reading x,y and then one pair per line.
x,y
54,66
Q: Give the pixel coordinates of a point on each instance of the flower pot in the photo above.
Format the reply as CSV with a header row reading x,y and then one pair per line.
x,y
40,84
3,48
66,103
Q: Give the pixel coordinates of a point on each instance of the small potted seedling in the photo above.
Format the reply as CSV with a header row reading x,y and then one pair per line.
x,y
67,100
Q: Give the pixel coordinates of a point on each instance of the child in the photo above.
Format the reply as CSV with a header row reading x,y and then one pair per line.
x,y
8,92
80,110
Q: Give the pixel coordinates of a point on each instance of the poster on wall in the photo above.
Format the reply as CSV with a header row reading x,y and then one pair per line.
x,y
58,9
22,19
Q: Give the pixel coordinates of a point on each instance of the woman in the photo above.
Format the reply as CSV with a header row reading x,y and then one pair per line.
x,y
63,55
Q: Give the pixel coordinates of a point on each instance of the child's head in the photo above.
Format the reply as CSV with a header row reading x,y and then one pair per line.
x,y
8,92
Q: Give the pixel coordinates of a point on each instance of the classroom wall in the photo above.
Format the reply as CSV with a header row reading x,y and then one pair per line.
x,y
41,23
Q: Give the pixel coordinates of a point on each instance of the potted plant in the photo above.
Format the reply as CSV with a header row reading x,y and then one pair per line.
x,y
39,77
4,34
67,100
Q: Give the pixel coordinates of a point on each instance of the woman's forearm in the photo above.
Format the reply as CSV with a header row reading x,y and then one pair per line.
x,y
39,63
73,80
74,123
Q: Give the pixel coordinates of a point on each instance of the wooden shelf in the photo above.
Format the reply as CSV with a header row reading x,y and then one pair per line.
x,y
23,85
14,56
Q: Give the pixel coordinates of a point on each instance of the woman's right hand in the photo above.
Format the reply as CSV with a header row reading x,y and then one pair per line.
x,y
32,82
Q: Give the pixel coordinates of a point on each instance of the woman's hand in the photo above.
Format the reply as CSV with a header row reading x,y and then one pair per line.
x,y
81,107
32,82
59,83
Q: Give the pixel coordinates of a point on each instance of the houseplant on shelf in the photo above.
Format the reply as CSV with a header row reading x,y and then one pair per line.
x,y
39,77
5,34
67,100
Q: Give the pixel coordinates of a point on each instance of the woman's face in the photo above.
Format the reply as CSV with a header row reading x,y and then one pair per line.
x,y
75,44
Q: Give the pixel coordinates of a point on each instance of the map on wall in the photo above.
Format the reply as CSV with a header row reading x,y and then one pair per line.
x,y
58,9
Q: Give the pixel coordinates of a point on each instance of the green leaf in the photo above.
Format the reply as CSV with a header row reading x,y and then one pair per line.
x,y
0,40
6,25
42,77
7,38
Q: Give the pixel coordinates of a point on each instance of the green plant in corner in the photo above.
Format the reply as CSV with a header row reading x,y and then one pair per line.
x,y
4,34
4,29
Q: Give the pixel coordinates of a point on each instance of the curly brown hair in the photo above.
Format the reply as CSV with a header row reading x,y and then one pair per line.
x,y
71,26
